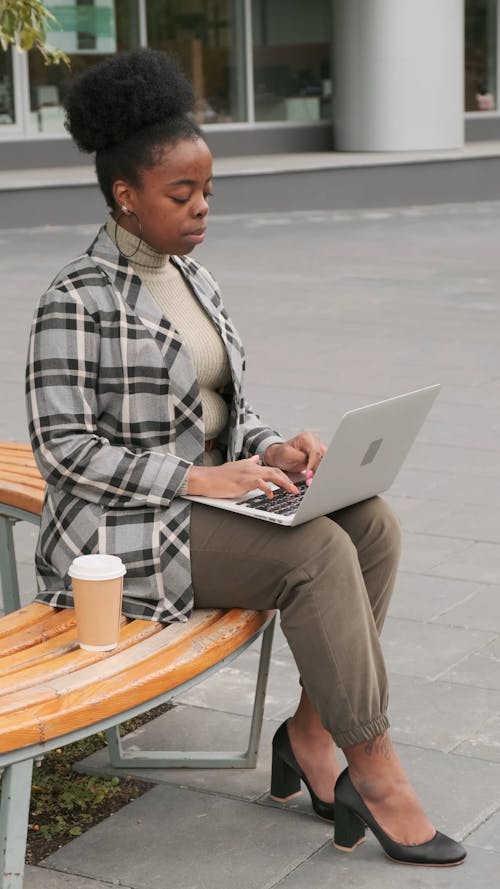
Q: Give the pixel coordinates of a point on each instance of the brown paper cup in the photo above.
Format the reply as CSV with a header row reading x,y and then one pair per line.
x,y
97,582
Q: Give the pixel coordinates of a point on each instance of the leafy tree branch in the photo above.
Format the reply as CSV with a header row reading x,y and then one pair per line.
x,y
23,24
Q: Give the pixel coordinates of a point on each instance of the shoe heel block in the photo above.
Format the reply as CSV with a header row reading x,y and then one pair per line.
x,y
349,829
285,783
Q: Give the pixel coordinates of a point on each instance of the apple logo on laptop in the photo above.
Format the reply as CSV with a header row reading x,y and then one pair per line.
x,y
371,452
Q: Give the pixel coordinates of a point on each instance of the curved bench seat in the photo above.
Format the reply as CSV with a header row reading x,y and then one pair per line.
x,y
52,692
50,687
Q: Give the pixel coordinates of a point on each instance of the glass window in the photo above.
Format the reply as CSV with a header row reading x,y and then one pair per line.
x,y
291,57
480,55
7,108
88,31
206,36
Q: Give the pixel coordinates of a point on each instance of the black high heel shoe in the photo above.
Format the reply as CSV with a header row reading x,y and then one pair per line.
x,y
286,776
352,816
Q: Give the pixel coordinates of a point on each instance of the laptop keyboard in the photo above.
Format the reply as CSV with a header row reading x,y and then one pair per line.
x,y
282,503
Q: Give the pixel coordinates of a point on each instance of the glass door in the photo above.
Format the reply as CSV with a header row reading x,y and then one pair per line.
x,y
7,96
291,55
481,55
207,37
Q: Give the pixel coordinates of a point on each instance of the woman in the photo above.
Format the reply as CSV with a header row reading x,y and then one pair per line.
x,y
135,396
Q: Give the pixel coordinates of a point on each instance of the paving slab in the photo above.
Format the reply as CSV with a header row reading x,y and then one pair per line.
x,y
425,552
190,840
479,561
458,792
429,649
480,669
484,742
422,483
417,515
471,521
440,715
487,836
43,878
232,688
460,460
421,597
479,612
184,728
460,490
368,868
176,730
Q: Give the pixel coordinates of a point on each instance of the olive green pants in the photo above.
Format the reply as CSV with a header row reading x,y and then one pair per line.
x,y
331,579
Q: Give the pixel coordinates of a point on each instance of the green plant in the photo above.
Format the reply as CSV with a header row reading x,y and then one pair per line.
x,y
23,25
64,803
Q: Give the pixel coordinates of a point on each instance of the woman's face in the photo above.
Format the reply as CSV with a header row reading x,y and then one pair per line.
x,y
172,202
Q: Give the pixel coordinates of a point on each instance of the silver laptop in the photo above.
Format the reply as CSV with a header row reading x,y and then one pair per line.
x,y
363,459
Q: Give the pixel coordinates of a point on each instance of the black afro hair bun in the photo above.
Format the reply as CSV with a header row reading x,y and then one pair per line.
x,y
120,96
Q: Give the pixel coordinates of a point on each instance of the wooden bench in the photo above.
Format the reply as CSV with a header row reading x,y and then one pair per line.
x,y
53,693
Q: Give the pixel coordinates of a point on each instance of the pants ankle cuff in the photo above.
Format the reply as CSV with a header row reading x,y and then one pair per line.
x,y
360,733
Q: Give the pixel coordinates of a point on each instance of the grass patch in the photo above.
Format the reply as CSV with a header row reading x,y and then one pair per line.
x,y
65,803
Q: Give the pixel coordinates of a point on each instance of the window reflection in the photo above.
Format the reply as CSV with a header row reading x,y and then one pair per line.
x,y
88,31
480,55
291,56
206,36
7,111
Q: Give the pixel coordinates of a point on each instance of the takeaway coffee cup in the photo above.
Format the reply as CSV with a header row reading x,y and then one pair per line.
x,y
97,582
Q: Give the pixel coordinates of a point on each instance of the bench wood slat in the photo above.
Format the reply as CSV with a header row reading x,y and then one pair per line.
x,y
24,475
27,478
22,497
62,654
45,628
16,447
8,459
116,684
171,637
23,618
108,664
21,484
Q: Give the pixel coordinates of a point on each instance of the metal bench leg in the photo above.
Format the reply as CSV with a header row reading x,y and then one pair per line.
x,y
14,815
8,571
198,759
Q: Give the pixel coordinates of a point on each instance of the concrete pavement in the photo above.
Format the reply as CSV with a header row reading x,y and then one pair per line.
x,y
336,310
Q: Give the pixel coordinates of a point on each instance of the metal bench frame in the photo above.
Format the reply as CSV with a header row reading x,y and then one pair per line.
x,y
9,515
17,765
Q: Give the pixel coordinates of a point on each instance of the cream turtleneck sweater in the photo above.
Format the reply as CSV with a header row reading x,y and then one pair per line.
x,y
180,306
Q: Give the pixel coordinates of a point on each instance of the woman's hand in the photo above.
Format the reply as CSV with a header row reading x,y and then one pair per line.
x,y
236,479
303,453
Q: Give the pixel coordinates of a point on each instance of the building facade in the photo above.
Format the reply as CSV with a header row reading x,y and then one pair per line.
x,y
279,75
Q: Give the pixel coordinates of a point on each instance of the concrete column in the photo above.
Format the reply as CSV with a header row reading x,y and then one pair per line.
x,y
398,74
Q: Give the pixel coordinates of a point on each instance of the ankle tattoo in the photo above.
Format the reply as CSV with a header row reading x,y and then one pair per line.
x,y
380,746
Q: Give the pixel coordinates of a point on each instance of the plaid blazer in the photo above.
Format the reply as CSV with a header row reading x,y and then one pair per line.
x,y
115,421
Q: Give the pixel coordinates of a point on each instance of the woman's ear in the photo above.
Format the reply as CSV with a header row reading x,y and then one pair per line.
x,y
122,194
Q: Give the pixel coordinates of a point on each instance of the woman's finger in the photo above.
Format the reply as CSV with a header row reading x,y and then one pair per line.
x,y
265,488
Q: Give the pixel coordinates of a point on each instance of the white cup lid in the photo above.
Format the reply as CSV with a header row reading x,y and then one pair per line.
x,y
97,566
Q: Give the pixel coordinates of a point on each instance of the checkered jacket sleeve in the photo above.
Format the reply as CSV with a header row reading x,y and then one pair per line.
x,y
70,435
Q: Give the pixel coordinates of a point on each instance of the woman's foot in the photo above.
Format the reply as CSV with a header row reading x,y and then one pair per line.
x,y
316,754
378,775
352,817
287,775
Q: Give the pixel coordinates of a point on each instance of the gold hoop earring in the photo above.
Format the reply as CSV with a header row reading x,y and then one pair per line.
x,y
124,211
